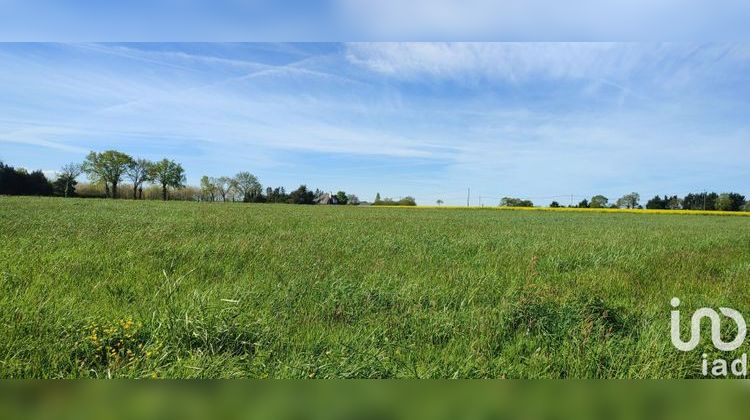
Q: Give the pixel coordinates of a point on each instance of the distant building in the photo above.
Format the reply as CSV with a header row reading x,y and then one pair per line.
x,y
327,198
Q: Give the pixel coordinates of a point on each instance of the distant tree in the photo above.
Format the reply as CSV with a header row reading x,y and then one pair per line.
x,y
515,202
407,201
352,200
583,204
710,200
724,203
38,184
21,182
342,197
738,201
746,207
276,195
223,186
66,180
302,196
656,203
168,174
247,186
439,202
730,202
138,172
598,202
554,205
700,201
673,203
629,201
233,189
94,170
688,203
208,189
377,199
385,202
107,167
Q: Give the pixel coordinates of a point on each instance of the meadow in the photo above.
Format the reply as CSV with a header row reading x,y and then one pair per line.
x,y
145,289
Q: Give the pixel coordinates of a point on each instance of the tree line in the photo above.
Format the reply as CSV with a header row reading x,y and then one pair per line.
x,y
695,201
245,187
404,201
111,171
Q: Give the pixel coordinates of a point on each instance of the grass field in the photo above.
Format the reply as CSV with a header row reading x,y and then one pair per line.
x,y
95,288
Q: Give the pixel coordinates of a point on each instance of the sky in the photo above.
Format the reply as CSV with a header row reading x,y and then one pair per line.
x,y
542,121
368,20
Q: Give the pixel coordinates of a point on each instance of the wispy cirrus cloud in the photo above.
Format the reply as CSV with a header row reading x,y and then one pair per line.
x,y
519,62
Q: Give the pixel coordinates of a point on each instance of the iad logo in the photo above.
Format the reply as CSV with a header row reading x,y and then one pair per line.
x,y
695,328
719,366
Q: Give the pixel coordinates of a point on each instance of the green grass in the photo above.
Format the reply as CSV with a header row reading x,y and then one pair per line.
x,y
280,291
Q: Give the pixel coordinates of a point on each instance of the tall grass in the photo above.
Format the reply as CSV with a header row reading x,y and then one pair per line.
x,y
97,288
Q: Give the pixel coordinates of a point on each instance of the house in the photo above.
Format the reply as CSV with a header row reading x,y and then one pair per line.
x,y
326,198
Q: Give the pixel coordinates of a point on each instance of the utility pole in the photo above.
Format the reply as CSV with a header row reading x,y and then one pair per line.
x,y
468,196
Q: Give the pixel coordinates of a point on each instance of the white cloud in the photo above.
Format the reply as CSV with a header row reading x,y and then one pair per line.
x,y
608,63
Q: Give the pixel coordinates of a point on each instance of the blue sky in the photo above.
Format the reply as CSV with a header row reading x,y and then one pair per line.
x,y
421,119
382,20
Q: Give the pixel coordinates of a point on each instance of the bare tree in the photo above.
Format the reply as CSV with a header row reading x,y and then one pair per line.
x,y
68,175
223,186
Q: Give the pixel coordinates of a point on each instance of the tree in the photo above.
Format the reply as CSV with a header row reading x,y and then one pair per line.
x,y
352,200
276,195
138,172
554,205
515,202
208,189
599,202
439,202
168,173
730,202
66,180
21,182
342,197
583,204
738,201
302,196
233,189
657,203
223,186
700,201
724,203
377,199
247,186
673,203
107,167
407,201
629,201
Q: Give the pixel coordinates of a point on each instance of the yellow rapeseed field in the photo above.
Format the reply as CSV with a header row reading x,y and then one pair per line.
x,y
589,210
